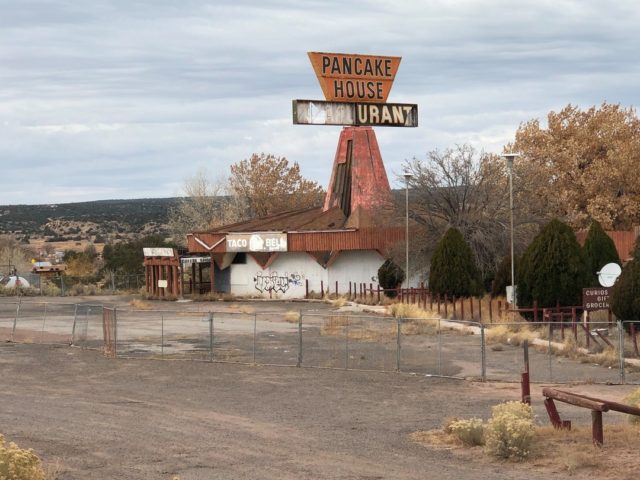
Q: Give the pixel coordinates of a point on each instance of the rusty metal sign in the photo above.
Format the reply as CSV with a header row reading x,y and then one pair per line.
x,y
312,112
256,242
596,298
158,252
346,77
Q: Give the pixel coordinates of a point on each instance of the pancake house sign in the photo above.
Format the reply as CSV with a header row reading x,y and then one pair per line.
x,y
354,78
356,88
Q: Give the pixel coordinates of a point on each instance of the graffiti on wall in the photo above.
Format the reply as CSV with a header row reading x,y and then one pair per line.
x,y
276,282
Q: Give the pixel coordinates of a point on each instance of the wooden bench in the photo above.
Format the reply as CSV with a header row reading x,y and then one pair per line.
x,y
596,405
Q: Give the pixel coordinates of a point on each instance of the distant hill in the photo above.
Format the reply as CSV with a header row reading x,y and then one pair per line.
x,y
87,220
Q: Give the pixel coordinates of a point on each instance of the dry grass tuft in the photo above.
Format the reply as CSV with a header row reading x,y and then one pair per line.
x,y
557,451
510,334
292,316
140,304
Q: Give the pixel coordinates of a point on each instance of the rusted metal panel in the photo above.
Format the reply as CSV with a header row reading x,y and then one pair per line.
x,y
315,112
346,77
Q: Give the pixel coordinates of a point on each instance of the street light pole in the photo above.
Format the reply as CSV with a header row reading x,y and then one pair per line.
x,y
509,157
407,177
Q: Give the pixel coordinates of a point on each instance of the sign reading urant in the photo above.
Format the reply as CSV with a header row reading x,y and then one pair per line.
x,y
356,88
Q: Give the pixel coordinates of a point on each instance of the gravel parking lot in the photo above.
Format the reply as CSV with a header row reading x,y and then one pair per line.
x,y
140,419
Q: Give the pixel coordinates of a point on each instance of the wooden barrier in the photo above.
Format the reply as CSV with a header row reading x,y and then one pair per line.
x,y
596,405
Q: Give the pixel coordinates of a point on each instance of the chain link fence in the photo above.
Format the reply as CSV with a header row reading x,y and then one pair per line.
x,y
560,352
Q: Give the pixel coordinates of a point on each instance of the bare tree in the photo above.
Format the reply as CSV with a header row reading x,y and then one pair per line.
x,y
206,204
461,188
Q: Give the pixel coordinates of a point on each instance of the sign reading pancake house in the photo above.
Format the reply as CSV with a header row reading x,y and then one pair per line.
x,y
348,77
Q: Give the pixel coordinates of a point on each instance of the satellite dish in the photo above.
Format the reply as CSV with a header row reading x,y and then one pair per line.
x,y
608,275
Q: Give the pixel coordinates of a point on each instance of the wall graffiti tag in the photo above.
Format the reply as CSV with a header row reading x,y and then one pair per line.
x,y
275,282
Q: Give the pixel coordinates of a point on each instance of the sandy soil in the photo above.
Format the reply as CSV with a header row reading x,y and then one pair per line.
x,y
139,419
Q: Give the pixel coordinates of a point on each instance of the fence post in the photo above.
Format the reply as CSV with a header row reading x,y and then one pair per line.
x,y
399,331
73,328
300,337
44,319
440,344
162,335
15,319
306,288
115,333
621,350
346,345
483,355
255,334
211,336
634,339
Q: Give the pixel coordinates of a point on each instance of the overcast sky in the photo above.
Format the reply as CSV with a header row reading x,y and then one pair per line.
x,y
127,98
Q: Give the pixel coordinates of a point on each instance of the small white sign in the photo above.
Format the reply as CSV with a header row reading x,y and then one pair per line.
x,y
163,283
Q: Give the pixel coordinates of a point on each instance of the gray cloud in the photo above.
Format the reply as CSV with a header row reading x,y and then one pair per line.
x,y
123,99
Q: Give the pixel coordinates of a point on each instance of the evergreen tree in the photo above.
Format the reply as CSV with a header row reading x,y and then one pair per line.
x,y
454,270
598,250
552,269
503,276
625,294
390,276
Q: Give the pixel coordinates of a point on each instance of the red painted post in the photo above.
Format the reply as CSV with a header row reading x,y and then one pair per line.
x,y
306,288
431,301
490,310
610,317
378,293
500,309
371,290
634,339
322,288
587,328
446,314
597,433
535,311
349,288
461,308
438,303
480,309
455,315
471,305
574,324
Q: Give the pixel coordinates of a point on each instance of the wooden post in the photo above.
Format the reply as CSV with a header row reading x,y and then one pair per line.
x,y
461,308
455,315
574,326
336,288
322,288
212,275
471,305
634,339
378,293
446,314
535,311
306,287
490,310
596,432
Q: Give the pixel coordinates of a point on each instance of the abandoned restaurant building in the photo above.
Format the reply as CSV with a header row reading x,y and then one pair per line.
x,y
333,247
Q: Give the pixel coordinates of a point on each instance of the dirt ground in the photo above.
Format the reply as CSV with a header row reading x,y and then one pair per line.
x,y
102,418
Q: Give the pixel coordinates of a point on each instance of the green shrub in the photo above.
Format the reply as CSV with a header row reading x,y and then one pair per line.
x,y
510,430
454,271
625,294
19,464
470,432
552,269
598,250
390,276
633,399
503,276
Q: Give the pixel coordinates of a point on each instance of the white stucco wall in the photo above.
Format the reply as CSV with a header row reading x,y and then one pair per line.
x,y
286,277
360,266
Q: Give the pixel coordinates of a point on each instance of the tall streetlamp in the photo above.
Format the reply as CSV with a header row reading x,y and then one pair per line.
x,y
509,157
407,177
